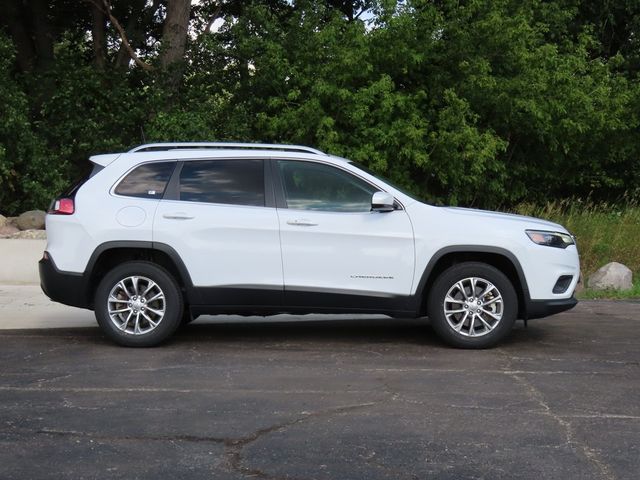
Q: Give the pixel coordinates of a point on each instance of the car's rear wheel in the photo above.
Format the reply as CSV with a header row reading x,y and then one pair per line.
x,y
138,304
472,305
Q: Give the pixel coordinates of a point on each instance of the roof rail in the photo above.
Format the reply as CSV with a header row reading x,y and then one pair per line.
x,y
155,147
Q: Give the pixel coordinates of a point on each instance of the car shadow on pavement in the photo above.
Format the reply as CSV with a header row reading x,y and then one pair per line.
x,y
360,331
345,331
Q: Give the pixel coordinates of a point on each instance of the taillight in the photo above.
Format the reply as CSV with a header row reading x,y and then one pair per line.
x,y
62,206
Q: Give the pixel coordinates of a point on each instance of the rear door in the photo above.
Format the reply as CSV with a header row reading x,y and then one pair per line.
x,y
219,216
336,252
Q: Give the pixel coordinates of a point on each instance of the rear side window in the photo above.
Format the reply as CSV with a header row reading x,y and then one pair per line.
x,y
147,181
233,182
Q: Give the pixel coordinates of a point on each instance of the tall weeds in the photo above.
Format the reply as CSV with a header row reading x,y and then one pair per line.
x,y
605,232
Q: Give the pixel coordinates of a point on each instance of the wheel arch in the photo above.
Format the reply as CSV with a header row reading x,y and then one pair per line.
x,y
110,254
498,257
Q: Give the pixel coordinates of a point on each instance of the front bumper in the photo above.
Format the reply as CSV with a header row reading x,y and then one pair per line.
x,y
545,308
64,287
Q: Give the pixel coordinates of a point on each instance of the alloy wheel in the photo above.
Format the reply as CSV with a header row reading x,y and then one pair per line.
x,y
136,305
473,307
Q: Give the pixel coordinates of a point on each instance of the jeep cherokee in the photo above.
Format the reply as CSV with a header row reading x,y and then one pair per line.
x,y
163,233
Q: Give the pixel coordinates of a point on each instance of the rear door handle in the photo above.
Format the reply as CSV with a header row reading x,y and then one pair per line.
x,y
177,216
302,222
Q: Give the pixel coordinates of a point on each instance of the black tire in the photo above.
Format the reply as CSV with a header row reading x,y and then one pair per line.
x,y
485,337
173,305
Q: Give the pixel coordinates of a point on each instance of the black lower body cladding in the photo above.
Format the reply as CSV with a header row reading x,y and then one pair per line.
x,y
64,287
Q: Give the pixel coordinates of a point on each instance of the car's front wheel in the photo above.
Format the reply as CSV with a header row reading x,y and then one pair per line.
x,y
472,305
138,304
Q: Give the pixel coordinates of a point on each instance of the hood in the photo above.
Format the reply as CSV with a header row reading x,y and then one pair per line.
x,y
531,222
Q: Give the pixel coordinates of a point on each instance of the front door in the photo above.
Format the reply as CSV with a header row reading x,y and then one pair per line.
x,y
336,252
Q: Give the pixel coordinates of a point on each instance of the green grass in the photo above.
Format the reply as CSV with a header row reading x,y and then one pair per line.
x,y
605,233
612,294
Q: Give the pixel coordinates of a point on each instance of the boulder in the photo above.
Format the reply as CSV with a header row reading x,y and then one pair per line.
x,y
3,221
12,221
613,276
8,230
30,234
33,220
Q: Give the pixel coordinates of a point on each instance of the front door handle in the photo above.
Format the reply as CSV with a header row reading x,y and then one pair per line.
x,y
302,222
177,216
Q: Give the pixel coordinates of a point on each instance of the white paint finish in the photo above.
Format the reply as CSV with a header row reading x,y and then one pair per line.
x,y
230,245
73,238
109,228
543,265
19,260
68,242
131,216
222,244
440,227
358,252
105,159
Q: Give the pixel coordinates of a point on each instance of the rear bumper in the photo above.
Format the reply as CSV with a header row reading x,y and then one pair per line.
x,y
63,287
545,308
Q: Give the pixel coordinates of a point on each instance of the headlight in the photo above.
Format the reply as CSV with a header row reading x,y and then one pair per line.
x,y
550,239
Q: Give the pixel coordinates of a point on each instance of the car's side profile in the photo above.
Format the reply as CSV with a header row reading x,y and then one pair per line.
x,y
166,232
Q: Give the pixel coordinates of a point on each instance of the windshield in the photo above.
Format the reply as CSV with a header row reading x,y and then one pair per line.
x,y
383,178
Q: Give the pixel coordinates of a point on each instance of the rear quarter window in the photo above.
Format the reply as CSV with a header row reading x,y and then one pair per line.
x,y
146,181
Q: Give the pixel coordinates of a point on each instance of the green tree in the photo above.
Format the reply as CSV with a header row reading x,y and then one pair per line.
x,y
475,102
27,177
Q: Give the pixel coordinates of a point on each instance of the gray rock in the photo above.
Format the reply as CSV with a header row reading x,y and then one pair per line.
x,y
613,276
33,220
12,221
30,234
3,221
8,230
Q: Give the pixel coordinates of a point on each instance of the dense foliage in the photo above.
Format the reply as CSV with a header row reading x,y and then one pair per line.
x,y
479,102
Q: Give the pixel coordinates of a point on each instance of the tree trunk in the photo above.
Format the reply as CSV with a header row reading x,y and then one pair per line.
x,y
133,31
99,36
21,38
42,33
174,41
123,58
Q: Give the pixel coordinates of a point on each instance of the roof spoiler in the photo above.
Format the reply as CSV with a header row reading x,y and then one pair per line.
x,y
104,160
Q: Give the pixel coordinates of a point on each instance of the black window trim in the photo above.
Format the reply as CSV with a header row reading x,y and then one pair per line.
x,y
273,186
172,192
112,190
281,201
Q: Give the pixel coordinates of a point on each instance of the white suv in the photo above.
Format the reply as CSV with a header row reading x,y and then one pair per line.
x,y
165,232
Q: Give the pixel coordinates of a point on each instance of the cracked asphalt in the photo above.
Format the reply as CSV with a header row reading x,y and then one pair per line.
x,y
360,399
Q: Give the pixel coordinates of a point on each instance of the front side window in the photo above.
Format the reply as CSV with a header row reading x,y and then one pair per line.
x,y
146,181
314,186
233,182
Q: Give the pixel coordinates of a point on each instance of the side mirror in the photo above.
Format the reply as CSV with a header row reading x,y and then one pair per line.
x,y
382,202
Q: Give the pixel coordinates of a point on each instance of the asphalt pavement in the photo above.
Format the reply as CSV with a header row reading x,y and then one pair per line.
x,y
366,398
